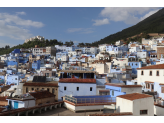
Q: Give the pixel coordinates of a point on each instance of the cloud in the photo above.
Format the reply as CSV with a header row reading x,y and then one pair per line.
x,y
14,27
7,18
126,14
101,22
148,14
20,13
70,30
80,30
13,32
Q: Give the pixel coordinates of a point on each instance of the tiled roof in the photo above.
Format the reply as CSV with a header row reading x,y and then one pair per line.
x,y
41,94
158,66
127,86
153,53
132,45
3,98
112,114
41,84
74,80
161,84
148,82
134,96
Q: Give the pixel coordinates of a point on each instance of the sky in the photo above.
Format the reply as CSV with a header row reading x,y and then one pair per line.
x,y
78,24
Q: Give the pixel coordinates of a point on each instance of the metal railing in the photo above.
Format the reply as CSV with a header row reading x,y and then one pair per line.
x,y
71,99
90,100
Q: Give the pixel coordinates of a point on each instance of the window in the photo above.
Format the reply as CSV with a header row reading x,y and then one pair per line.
x,y
90,88
132,64
48,89
42,88
65,88
162,89
77,88
26,90
143,112
150,73
53,91
147,85
157,73
15,78
32,89
142,73
112,92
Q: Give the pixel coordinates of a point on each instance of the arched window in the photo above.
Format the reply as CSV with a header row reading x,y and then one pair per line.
x,y
26,90
142,73
157,73
53,91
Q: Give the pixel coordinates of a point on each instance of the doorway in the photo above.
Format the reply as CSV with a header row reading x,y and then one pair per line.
x,y
152,87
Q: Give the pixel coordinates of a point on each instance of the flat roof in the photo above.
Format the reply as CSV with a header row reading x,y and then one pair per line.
x,y
77,71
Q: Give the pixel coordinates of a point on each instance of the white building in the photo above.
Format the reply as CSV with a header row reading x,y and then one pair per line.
x,y
76,87
119,43
102,47
141,55
134,49
61,48
22,102
60,54
136,103
40,38
89,50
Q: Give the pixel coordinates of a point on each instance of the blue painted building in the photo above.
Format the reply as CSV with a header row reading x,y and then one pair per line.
x,y
153,62
121,89
134,66
16,51
36,65
12,63
23,59
14,79
114,90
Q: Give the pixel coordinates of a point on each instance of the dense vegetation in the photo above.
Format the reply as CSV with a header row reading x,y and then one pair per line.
x,y
31,44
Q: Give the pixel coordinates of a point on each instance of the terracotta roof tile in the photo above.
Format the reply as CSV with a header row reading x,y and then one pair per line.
x,y
158,66
153,53
3,98
112,114
127,86
41,94
74,80
161,84
148,82
41,84
134,96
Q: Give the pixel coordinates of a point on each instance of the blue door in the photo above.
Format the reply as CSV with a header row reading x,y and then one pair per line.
x,y
15,105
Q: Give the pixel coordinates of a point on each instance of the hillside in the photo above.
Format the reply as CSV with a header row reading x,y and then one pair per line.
x,y
30,44
152,24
